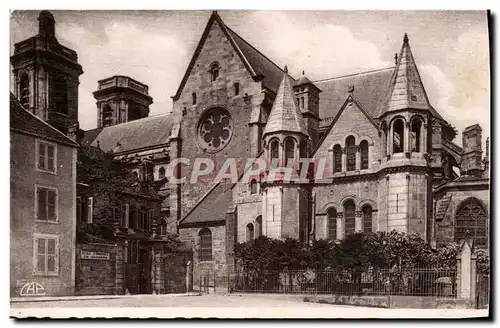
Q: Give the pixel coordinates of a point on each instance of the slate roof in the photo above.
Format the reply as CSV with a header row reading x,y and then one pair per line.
x,y
134,135
25,122
212,207
369,90
262,65
285,114
406,89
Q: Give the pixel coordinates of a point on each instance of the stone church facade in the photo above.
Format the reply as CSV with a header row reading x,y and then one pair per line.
x,y
387,156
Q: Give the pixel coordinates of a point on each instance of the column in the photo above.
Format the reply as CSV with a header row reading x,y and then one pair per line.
x,y
119,279
340,228
423,139
358,223
358,158
344,159
390,141
406,145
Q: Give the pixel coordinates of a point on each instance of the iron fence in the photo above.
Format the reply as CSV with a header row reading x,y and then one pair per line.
x,y
408,282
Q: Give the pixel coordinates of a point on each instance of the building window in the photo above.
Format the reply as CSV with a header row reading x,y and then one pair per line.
x,y
416,130
79,209
471,217
332,223
193,95
161,173
214,71
258,227
24,90
302,102
133,217
367,218
364,154
90,209
350,144
45,254
205,245
46,204
274,149
398,136
253,187
163,227
61,94
350,220
289,151
236,88
46,157
337,159
125,215
143,219
250,232
107,115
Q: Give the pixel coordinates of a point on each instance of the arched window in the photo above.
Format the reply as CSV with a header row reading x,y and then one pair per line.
x,y
193,95
398,136
107,115
471,216
258,226
364,154
367,218
350,144
253,187
350,221
416,130
302,102
337,159
163,227
61,94
274,149
214,71
24,89
332,223
205,253
250,232
161,173
289,151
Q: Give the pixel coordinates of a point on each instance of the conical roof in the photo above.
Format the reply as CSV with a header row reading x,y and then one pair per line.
x,y
406,90
285,115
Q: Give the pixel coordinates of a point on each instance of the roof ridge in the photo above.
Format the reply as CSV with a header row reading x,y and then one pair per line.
x,y
47,124
354,74
138,120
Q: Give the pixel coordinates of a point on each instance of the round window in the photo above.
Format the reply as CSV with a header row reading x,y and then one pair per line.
x,y
215,129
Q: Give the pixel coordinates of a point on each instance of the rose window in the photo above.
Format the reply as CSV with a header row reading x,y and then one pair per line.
x,y
215,129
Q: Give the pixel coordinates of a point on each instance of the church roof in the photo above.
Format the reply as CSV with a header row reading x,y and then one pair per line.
x,y
134,135
285,114
406,90
212,207
369,90
258,65
25,122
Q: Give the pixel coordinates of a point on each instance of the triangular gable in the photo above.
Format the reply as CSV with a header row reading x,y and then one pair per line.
x,y
349,99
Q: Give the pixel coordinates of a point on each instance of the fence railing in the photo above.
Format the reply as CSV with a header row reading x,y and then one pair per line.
x,y
410,282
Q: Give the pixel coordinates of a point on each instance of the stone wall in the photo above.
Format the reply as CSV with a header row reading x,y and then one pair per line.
x,y
97,275
216,268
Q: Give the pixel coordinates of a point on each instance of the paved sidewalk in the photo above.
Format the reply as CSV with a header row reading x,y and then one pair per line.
x,y
90,297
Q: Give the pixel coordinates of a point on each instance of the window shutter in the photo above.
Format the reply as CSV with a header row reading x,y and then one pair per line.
x,y
90,211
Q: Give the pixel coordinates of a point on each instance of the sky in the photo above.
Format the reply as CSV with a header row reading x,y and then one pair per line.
x,y
451,49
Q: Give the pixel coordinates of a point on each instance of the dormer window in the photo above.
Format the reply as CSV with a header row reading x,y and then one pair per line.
x,y
214,71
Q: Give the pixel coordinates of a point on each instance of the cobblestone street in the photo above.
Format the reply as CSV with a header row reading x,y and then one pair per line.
x,y
228,306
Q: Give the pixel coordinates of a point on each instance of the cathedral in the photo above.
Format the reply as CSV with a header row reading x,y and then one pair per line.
x,y
389,158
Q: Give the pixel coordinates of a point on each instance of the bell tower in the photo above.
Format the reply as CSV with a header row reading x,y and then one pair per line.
x,y
405,190
46,76
286,140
